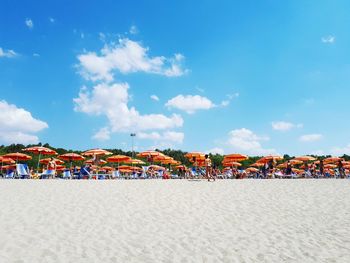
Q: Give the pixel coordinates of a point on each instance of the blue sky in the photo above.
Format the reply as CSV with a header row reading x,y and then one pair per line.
x,y
254,77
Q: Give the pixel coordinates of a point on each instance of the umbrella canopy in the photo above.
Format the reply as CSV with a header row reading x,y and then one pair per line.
x,y
197,155
18,156
118,159
171,162
107,168
149,154
71,157
252,170
96,152
332,159
257,164
236,157
47,160
92,161
305,158
330,166
6,160
161,158
269,158
40,150
135,161
232,163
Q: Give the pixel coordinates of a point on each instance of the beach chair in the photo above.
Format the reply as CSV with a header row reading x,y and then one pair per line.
x,y
10,174
85,173
22,171
47,173
66,174
116,174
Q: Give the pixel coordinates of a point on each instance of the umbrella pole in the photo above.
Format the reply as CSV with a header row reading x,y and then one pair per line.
x,y
37,167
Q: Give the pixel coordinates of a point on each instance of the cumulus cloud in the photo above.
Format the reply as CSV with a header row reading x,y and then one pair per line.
x,y
7,53
29,23
328,39
190,103
168,136
127,57
111,101
133,30
285,126
155,97
103,134
339,151
216,150
310,137
246,141
18,125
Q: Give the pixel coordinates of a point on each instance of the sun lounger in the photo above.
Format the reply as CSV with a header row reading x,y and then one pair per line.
x,y
10,174
66,174
47,174
22,171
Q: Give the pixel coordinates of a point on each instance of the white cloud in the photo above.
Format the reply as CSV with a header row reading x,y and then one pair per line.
x,y
285,126
154,97
102,135
52,20
127,57
190,103
328,39
111,100
133,30
310,137
36,55
216,150
17,125
245,141
341,150
7,53
168,136
29,23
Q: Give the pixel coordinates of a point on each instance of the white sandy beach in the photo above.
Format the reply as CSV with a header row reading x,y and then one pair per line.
x,y
175,221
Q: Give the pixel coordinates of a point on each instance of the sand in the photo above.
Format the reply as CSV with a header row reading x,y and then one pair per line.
x,y
175,221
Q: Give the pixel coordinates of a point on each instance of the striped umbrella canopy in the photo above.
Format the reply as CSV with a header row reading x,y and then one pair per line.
x,y
71,157
18,156
40,150
305,158
197,155
252,170
96,152
47,160
232,163
92,161
332,159
235,157
6,160
269,158
118,159
135,162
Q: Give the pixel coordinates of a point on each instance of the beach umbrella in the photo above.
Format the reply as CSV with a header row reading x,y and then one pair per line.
x,y
96,152
332,160
149,155
252,170
71,157
161,158
305,158
41,151
269,158
236,157
156,167
232,163
257,164
330,166
171,162
118,159
135,162
18,156
107,168
92,161
6,160
197,155
47,160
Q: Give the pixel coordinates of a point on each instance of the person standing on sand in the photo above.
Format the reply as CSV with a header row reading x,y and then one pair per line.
x,y
321,168
289,168
341,169
208,168
51,166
